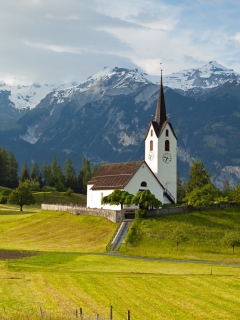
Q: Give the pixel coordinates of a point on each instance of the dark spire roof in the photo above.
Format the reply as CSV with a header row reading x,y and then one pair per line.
x,y
161,115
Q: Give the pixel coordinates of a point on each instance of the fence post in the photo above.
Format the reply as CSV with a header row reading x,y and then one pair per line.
x,y
128,315
81,313
97,316
111,312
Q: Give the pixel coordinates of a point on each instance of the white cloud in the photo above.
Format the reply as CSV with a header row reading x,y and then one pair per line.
x,y
52,40
236,37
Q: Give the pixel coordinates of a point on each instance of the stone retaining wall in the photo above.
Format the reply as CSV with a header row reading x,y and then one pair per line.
x,y
169,210
112,215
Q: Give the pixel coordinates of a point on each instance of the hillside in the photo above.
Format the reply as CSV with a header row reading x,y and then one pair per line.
x,y
204,232
53,231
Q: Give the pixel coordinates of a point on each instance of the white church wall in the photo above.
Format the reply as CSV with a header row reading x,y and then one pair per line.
x,y
94,198
145,175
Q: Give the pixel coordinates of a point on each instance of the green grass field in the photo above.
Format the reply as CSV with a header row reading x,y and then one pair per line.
x,y
205,231
53,231
71,270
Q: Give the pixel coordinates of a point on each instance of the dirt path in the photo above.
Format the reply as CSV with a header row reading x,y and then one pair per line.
x,y
118,255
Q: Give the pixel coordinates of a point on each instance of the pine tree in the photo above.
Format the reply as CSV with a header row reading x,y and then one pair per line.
x,y
84,176
25,173
199,177
3,167
12,181
57,178
46,174
70,176
35,174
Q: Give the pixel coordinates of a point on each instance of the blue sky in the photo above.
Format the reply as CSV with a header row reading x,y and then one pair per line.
x,y
51,41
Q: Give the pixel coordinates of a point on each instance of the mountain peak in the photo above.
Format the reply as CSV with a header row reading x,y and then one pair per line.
x,y
208,76
112,80
121,73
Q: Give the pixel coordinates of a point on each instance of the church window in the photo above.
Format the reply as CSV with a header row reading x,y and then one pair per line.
x,y
167,133
167,145
151,145
151,133
143,184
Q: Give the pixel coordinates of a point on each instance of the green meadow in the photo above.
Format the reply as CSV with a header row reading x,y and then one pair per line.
x,y
205,232
70,269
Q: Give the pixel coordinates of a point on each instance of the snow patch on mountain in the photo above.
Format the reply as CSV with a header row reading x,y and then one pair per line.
x,y
106,82
208,76
30,136
27,97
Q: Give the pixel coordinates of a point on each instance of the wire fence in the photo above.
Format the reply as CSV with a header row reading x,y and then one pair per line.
x,y
76,314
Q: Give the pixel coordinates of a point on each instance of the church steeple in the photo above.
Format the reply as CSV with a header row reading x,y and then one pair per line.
x,y
161,115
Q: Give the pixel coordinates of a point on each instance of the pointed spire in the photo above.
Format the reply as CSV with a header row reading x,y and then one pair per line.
x,y
161,115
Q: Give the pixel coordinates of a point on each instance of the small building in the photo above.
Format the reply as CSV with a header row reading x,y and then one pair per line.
x,y
157,173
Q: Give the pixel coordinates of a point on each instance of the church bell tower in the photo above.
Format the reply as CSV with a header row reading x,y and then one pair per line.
x,y
161,149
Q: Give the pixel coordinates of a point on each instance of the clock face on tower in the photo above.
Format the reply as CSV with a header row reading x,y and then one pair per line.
x,y
167,158
151,155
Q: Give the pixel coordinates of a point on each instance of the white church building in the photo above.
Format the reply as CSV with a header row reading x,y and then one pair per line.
x,y
157,173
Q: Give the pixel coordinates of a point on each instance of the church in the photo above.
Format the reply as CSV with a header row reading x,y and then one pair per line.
x,y
157,173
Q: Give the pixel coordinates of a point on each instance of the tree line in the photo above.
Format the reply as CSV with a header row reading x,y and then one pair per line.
x,y
49,177
200,192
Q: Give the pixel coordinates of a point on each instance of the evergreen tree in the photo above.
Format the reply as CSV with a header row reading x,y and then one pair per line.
x,y
181,189
94,169
25,173
55,166
84,175
57,178
46,174
35,174
3,167
199,177
12,171
70,176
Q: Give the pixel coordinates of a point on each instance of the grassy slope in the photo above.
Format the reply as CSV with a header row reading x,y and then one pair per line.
x,y
59,197
205,231
151,290
53,231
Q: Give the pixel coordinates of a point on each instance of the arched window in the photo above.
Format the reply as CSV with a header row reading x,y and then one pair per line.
x,y
143,184
167,145
151,133
151,145
167,133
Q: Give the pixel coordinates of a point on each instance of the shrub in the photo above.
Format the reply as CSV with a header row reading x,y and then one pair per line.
x,y
49,189
69,192
141,213
3,199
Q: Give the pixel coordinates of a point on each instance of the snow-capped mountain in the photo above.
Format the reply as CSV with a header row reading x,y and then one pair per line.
x,y
211,75
105,82
208,76
27,97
